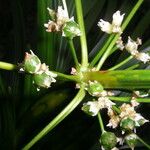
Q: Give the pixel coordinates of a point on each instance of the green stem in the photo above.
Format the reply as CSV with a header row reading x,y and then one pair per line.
x,y
143,142
121,63
130,16
101,51
61,116
128,99
73,53
84,50
116,109
7,66
132,67
101,122
67,77
107,52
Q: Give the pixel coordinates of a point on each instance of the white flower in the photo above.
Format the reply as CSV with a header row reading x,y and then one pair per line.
x,y
113,27
62,16
142,57
117,18
134,103
114,119
104,102
105,26
119,43
91,107
131,46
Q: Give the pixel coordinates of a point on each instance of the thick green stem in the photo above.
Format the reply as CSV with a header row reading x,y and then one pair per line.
x,y
7,66
144,143
71,106
101,122
73,53
124,79
84,50
128,99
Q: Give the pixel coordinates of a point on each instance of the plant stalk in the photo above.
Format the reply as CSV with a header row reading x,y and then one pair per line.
x,y
60,117
84,50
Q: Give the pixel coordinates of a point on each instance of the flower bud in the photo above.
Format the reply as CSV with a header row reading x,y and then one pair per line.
x,y
131,140
94,88
31,63
71,29
43,80
127,124
91,108
108,140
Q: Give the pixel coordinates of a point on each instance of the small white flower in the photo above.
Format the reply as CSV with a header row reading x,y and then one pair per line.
x,y
105,26
62,16
117,18
91,107
134,103
104,102
141,94
142,57
113,27
131,46
119,43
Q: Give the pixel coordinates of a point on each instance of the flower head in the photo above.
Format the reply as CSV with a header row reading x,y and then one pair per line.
x,y
131,46
113,27
142,57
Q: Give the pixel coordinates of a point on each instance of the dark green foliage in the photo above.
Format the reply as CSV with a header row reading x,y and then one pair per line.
x,y
23,110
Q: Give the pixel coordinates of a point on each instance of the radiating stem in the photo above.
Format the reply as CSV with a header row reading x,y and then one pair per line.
x,y
7,66
130,16
84,50
101,122
106,54
121,63
144,143
101,51
73,53
66,77
61,116
128,99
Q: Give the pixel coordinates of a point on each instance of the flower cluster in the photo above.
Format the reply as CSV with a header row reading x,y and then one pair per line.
x,y
132,47
93,107
42,77
128,118
60,21
113,27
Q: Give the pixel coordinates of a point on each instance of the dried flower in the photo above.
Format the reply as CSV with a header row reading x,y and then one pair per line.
x,y
114,119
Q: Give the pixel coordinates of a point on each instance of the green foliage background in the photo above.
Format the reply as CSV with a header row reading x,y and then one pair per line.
x,y
23,110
